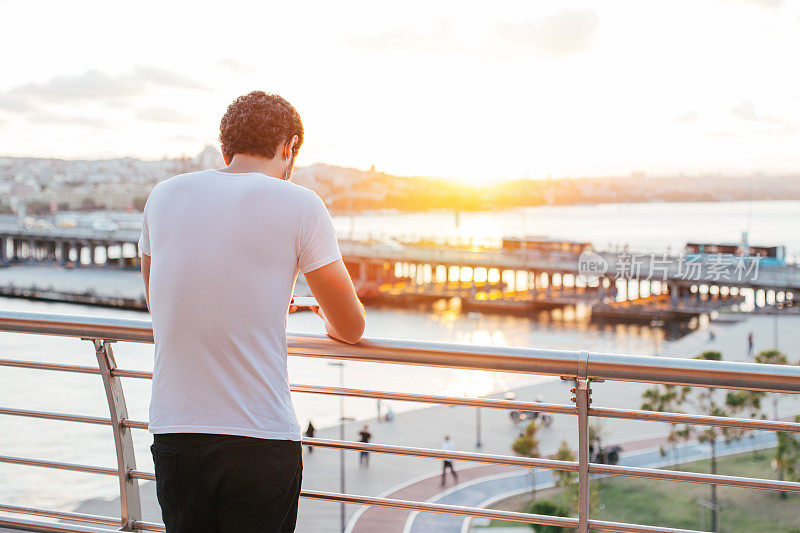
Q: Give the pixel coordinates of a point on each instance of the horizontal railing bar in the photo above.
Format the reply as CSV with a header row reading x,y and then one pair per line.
x,y
66,515
136,424
55,416
447,400
621,527
474,457
441,508
553,464
563,363
694,477
683,418
49,527
646,369
90,327
652,416
655,416
126,373
140,474
148,526
489,403
493,514
50,366
540,462
59,466
463,511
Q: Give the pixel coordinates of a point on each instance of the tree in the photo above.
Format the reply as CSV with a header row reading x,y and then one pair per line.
x,y
565,478
527,445
773,357
568,480
705,401
666,398
784,450
787,456
549,508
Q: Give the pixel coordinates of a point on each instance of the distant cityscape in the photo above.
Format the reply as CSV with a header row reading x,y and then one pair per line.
x,y
38,186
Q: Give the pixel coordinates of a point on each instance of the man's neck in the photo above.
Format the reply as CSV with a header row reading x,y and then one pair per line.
x,y
242,163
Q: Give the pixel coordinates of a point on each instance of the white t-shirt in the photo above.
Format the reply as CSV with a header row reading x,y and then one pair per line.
x,y
226,249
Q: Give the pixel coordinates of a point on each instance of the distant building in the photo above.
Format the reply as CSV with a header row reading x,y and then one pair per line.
x,y
209,157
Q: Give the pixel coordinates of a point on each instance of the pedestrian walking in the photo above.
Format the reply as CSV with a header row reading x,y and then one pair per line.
x,y
310,434
364,436
750,343
448,446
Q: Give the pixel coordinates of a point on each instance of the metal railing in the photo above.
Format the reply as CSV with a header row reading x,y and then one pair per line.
x,y
581,367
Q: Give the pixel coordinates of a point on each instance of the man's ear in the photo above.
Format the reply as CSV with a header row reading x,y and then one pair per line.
x,y
288,148
224,157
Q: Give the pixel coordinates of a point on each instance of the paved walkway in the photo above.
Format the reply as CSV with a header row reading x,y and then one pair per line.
x,y
487,490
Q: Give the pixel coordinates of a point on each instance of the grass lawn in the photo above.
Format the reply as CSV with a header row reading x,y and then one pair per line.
x,y
674,504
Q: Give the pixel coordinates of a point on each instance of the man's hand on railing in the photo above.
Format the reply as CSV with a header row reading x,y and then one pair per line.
x,y
318,310
292,308
328,327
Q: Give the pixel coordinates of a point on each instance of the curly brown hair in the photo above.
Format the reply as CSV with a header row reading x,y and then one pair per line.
x,y
257,124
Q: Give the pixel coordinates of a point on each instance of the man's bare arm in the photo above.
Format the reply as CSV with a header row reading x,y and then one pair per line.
x,y
339,306
146,278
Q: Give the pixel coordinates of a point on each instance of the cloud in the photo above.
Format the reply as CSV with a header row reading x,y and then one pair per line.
x,y
183,138
689,116
167,78
163,114
17,103
747,111
46,117
93,86
234,65
721,134
567,32
441,39
773,4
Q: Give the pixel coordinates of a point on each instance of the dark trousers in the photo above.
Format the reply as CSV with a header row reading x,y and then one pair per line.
x,y
208,483
445,466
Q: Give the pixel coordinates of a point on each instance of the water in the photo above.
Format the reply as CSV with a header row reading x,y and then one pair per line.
x,y
643,227
653,227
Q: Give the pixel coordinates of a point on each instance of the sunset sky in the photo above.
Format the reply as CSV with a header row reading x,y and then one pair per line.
x,y
472,90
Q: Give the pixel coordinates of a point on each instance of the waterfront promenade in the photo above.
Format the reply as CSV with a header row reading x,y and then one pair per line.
x,y
387,474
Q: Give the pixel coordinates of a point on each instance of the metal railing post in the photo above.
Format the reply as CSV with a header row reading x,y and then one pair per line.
x,y
582,402
581,399
129,497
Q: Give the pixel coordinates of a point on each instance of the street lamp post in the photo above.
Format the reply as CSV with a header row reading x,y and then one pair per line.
x,y
341,437
775,329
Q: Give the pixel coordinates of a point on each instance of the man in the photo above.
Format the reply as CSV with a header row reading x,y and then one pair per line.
x,y
448,445
221,250
364,436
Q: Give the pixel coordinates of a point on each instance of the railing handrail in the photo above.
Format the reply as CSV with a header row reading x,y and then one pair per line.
x,y
581,367
566,363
